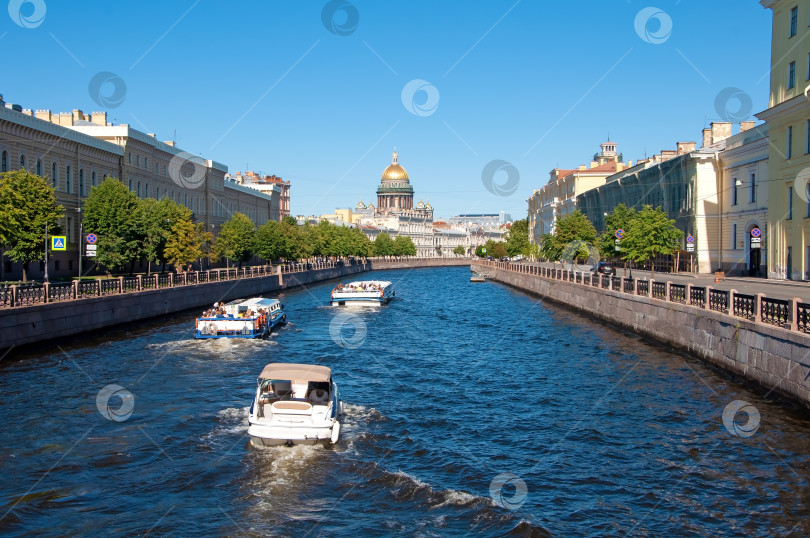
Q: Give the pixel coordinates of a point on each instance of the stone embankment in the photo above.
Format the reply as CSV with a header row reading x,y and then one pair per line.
x,y
759,339
56,312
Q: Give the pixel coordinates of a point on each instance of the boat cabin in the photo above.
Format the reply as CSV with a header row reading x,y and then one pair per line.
x,y
293,388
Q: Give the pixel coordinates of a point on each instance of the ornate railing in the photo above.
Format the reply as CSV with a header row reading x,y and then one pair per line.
x,y
803,316
659,290
6,296
109,286
163,281
643,288
129,283
616,283
27,295
677,293
88,288
697,297
60,291
629,285
745,306
605,282
775,311
718,301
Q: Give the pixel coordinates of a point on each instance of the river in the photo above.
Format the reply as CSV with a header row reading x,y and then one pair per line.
x,y
471,409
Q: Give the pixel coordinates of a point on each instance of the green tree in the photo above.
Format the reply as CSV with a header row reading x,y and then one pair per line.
x,y
155,220
517,238
498,250
618,219
479,251
574,237
183,245
109,212
360,244
548,248
403,246
277,240
650,233
459,250
27,205
383,245
236,239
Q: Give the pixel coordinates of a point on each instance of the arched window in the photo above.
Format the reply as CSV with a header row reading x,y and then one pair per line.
x,y
67,178
146,190
138,192
55,176
130,183
4,161
81,182
157,193
39,167
22,162
92,179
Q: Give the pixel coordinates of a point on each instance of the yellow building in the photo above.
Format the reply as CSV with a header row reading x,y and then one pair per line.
x,y
788,117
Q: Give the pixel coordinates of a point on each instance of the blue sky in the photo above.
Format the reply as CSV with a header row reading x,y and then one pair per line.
x,y
270,86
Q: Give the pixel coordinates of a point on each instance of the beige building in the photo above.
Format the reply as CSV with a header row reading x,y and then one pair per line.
x,y
273,186
78,151
557,198
788,118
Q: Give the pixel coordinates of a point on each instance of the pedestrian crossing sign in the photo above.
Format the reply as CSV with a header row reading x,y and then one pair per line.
x,y
59,242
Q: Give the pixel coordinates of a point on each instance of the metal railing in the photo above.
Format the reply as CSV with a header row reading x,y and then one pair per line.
x,y
791,314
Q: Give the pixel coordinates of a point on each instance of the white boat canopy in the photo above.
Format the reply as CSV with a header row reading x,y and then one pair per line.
x,y
300,372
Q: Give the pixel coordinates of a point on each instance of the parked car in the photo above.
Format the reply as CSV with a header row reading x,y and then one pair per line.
x,y
604,268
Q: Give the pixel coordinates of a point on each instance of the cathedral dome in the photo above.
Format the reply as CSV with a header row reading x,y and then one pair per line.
x,y
394,170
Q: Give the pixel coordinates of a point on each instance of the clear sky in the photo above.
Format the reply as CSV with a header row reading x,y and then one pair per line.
x,y
321,92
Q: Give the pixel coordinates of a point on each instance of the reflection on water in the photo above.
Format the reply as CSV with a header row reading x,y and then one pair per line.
x,y
470,408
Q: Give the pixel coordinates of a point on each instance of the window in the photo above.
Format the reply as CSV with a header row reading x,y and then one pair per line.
x,y
4,161
81,182
129,158
794,21
139,189
791,82
22,162
146,162
807,137
67,178
789,204
807,202
92,179
789,142
54,178
752,198
808,66
69,235
39,166
130,183
138,157
146,190
734,191
734,236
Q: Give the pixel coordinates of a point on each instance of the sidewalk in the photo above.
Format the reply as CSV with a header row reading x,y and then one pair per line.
x,y
778,289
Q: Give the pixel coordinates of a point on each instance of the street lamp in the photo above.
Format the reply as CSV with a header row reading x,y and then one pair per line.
x,y
80,242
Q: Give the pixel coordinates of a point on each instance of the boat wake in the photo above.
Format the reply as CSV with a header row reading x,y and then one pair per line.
x,y
222,348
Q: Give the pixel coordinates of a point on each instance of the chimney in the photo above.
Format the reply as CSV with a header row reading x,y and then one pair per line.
x,y
43,115
169,143
13,106
594,164
629,164
707,137
78,116
686,147
746,125
99,118
720,130
65,118
581,167
153,135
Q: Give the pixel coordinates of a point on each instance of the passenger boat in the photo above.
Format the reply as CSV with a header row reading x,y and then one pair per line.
x,y
295,404
478,278
363,292
251,318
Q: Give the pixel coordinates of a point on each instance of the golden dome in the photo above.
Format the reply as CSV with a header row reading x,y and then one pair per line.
x,y
394,170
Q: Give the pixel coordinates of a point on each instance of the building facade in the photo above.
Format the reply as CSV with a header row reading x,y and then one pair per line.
x,y
558,197
77,151
788,118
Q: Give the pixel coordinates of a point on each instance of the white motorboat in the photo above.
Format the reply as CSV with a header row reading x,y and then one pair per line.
x,y
363,292
251,318
295,404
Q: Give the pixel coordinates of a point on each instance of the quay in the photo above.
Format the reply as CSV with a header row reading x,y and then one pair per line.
x,y
56,311
762,339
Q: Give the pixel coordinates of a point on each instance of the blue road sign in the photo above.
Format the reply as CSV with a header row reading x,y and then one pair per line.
x,y
690,239
58,242
91,239
756,232
619,233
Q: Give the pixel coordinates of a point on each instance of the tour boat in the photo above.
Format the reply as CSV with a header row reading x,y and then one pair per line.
x,y
295,404
251,318
478,278
363,292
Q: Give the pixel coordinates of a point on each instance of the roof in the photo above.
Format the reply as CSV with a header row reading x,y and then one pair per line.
x,y
292,371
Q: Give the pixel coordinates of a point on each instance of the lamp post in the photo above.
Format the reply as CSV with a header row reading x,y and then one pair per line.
x,y
81,240
46,252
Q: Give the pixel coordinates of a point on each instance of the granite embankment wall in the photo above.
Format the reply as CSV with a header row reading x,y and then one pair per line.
x,y
57,321
776,358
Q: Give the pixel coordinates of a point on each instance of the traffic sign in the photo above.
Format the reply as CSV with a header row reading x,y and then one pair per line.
x,y
58,242
90,248
690,239
90,253
91,239
690,247
484,250
619,234
756,232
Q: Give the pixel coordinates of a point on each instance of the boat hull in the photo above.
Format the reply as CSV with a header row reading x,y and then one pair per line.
x,y
265,435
